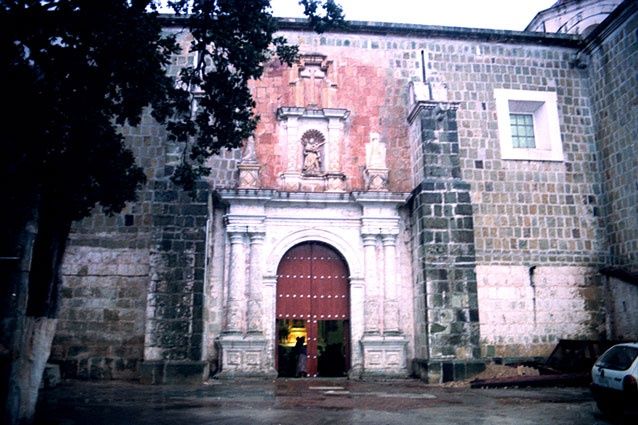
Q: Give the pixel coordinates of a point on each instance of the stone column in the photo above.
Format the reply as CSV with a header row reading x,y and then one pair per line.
x,y
391,305
356,325
255,317
236,283
372,316
270,332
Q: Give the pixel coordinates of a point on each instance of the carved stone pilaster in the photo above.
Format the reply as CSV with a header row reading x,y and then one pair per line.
x,y
255,316
372,304
235,313
391,307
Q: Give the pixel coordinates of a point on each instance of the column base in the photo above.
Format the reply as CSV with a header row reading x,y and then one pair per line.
x,y
244,356
384,355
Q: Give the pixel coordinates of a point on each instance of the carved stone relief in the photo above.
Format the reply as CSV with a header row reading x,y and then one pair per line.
x,y
312,142
311,82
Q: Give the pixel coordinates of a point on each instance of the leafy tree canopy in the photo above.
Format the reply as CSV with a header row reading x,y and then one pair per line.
x,y
74,70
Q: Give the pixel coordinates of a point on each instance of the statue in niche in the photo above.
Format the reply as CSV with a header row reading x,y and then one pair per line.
x,y
312,142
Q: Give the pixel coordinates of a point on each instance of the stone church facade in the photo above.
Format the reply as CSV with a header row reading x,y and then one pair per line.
x,y
415,201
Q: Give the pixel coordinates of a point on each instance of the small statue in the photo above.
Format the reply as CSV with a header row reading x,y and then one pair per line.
x,y
312,155
375,153
249,150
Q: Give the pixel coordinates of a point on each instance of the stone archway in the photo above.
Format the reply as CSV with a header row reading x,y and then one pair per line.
x,y
313,302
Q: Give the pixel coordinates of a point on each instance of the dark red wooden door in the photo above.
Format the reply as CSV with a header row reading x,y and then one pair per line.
x,y
313,286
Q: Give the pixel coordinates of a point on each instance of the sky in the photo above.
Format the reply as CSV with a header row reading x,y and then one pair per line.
x,y
495,14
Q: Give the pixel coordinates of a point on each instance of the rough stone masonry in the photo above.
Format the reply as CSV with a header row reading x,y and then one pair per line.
x,y
459,246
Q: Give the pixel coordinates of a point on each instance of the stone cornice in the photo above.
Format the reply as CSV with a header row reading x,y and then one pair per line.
x,y
433,31
271,195
619,16
420,105
320,113
422,31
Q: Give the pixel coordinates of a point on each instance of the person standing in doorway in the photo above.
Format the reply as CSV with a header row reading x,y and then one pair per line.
x,y
302,354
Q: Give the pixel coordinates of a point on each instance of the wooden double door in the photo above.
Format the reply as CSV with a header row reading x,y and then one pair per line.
x,y
313,301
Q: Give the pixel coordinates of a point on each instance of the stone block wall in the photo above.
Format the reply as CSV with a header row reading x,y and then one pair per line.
x,y
177,260
106,274
480,224
138,276
523,213
612,64
443,238
100,332
528,213
525,311
622,305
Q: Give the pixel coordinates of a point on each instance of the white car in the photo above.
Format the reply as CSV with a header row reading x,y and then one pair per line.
x,y
615,379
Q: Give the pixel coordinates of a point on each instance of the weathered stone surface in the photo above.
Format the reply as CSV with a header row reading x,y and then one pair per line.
x,y
492,257
525,313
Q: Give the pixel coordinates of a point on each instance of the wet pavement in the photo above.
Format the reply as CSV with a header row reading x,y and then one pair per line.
x,y
310,402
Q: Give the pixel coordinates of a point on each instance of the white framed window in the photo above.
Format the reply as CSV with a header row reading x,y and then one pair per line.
x,y
528,125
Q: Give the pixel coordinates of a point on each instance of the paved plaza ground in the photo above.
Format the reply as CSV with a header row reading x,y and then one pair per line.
x,y
312,401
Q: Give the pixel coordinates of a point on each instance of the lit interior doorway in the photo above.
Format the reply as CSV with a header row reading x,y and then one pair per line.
x,y
313,303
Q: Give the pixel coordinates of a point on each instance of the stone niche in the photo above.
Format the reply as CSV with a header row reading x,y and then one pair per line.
x,y
312,139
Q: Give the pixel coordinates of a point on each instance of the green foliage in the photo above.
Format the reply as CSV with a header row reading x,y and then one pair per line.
x,y
233,40
76,70
73,70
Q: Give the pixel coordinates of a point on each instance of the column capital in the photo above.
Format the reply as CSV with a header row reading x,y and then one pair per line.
x,y
389,238
369,238
236,237
236,229
256,235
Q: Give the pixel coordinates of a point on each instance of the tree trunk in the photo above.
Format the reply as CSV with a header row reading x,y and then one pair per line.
x,y
35,319
17,252
36,346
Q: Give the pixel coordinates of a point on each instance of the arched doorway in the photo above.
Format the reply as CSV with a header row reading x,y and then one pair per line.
x,y
313,301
